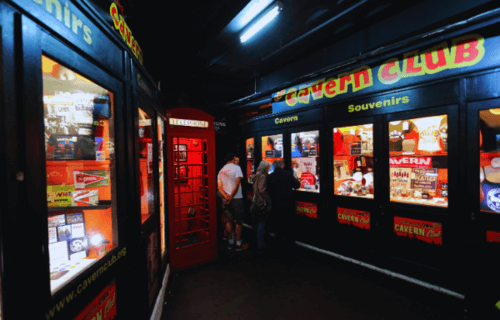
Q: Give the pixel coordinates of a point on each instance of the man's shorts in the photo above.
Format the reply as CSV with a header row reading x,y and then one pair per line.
x,y
235,211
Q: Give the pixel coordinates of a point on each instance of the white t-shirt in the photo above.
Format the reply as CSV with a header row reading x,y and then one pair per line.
x,y
227,175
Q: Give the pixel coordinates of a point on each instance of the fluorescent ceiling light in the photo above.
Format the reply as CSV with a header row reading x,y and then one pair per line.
x,y
252,10
260,24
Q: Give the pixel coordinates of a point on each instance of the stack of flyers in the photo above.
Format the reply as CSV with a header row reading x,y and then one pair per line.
x,y
91,179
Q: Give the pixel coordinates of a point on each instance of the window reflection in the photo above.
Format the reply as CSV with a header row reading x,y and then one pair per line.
x,y
250,159
305,159
353,161
418,150
80,164
146,165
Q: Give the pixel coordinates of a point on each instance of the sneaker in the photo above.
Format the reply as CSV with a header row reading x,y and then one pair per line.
x,y
243,246
230,246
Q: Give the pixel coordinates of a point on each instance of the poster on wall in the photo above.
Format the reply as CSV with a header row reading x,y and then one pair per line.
x,y
425,179
356,218
430,232
103,307
307,209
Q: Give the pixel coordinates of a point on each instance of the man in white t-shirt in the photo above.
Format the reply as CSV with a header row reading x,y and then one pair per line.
x,y
229,185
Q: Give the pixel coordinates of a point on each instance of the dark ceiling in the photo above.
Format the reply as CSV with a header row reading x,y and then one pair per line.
x,y
189,48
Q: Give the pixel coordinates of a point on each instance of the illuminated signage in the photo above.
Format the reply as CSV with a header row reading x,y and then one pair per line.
x,y
71,21
430,232
121,25
286,119
188,123
357,218
144,86
448,56
307,209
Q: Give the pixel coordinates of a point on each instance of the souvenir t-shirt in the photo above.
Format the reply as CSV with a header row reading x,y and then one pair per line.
x,y
227,175
428,129
396,136
443,133
337,142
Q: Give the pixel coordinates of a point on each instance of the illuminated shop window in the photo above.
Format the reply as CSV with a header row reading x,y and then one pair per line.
x,y
353,161
305,159
489,171
191,211
145,135
161,143
272,148
418,150
80,162
250,160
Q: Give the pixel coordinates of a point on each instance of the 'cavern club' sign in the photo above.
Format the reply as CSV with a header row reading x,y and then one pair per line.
x,y
430,232
410,162
443,59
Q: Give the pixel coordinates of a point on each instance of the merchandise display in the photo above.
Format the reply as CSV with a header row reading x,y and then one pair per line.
x,y
418,161
353,161
305,156
79,154
145,150
272,149
489,171
250,160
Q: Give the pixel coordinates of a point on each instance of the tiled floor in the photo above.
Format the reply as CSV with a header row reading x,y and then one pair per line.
x,y
297,283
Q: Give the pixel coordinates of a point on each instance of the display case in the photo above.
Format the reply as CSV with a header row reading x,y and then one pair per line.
x,y
353,161
80,170
489,166
418,157
272,148
305,159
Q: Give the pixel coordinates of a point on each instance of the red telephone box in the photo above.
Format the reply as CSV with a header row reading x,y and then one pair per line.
x,y
191,187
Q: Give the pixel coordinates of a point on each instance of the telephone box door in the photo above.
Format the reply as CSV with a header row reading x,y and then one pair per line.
x,y
191,187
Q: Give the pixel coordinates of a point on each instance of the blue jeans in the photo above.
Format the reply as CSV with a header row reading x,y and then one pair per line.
x,y
261,230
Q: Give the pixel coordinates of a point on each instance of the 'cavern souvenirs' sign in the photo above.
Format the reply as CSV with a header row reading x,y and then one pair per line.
x,y
307,209
443,59
121,26
431,232
357,218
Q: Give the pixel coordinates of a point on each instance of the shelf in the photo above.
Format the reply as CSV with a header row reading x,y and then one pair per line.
x,y
436,202
368,155
103,204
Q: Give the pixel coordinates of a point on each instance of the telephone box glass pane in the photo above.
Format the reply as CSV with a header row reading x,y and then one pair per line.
x,y
146,165
272,149
191,212
161,142
250,160
80,163
305,159
353,161
489,171
418,155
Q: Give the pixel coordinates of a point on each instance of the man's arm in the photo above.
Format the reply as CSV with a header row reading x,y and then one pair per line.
x,y
295,182
237,182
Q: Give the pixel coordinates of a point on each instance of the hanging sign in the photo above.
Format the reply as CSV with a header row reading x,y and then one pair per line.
x,y
356,218
121,25
430,232
307,209
443,59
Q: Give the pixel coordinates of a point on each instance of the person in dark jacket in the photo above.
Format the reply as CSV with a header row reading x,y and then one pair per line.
x,y
260,192
280,185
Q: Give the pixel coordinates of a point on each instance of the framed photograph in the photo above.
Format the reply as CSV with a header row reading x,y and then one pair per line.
x,y
180,152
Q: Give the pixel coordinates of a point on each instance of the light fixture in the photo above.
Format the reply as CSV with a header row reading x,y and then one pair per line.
x,y
268,17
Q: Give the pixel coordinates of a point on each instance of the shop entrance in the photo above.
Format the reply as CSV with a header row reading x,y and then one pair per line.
x,y
191,187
